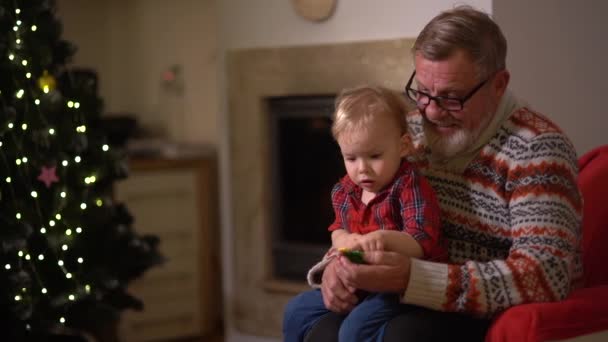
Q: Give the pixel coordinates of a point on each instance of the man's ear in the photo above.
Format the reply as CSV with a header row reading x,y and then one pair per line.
x,y
501,81
407,148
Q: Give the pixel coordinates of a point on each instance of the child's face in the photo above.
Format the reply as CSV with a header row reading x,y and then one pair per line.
x,y
372,155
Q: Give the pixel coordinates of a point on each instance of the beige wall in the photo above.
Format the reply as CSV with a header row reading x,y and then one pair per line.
x,y
557,58
131,42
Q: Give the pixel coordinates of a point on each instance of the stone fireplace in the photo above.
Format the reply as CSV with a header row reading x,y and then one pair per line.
x,y
258,79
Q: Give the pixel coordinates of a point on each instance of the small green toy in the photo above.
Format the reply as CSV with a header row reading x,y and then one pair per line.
x,y
355,256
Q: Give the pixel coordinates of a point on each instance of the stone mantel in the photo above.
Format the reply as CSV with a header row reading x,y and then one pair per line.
x,y
253,76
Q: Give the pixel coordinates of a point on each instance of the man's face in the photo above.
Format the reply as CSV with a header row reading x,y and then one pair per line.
x,y
449,133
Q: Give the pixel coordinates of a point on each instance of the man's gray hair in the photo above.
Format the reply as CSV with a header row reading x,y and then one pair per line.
x,y
468,29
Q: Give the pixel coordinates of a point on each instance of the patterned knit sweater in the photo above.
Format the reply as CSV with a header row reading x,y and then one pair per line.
x,y
511,218
511,214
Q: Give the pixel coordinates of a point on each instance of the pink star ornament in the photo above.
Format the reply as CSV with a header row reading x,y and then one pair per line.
x,y
48,176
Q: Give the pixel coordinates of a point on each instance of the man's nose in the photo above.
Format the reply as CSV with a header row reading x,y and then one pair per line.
x,y
433,112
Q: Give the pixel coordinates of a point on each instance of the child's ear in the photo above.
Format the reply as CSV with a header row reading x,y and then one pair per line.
x,y
407,148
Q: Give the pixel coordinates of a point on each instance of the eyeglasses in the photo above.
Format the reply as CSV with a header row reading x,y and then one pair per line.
x,y
423,99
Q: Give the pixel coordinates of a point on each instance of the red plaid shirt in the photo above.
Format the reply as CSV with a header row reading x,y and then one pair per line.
x,y
407,204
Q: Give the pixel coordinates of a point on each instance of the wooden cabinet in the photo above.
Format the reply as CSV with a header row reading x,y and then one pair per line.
x,y
175,200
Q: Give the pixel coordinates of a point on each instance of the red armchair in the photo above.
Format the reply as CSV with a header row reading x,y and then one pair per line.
x,y
585,310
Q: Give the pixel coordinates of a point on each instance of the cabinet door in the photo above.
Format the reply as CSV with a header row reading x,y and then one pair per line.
x,y
166,203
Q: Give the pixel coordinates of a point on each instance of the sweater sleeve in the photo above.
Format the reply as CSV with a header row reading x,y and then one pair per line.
x,y
543,261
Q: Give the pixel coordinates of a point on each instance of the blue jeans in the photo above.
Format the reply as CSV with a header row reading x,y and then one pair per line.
x,y
366,322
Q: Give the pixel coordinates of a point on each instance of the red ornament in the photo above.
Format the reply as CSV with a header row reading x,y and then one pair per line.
x,y
48,176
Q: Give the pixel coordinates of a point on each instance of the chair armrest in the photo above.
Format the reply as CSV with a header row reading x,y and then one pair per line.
x,y
584,311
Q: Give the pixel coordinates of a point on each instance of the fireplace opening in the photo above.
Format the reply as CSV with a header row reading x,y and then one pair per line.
x,y
306,163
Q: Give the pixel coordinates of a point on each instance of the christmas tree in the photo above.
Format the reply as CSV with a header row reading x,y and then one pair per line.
x,y
67,251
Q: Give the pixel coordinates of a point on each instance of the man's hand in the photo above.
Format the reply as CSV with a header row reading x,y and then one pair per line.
x,y
336,296
384,272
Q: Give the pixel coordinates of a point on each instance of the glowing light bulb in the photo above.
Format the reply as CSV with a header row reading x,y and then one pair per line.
x,y
60,262
7,266
11,57
24,126
105,147
65,163
28,257
8,179
34,194
80,260
52,223
17,298
62,194
43,290
62,320
68,232
68,275
77,159
40,257
78,230
51,131
83,206
34,28
71,297
43,230
58,217
24,62
20,94
64,247
18,216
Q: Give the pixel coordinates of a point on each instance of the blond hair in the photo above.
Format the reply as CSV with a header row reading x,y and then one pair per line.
x,y
356,107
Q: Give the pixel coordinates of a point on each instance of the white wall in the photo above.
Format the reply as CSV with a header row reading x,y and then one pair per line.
x,y
558,55
272,23
264,23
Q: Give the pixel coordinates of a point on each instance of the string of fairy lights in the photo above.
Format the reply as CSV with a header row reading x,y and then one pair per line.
x,y
55,225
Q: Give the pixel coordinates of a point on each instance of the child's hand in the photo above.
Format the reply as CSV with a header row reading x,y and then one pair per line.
x,y
350,241
373,241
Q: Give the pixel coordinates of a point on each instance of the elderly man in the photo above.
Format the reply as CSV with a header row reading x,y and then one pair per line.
x,y
505,177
